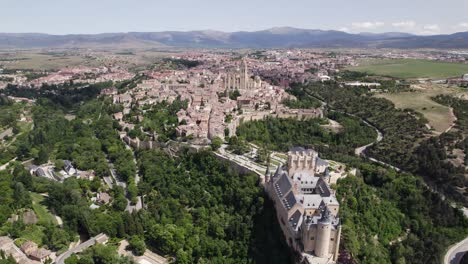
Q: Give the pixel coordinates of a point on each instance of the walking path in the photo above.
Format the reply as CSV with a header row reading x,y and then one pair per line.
x,y
454,120
242,161
4,166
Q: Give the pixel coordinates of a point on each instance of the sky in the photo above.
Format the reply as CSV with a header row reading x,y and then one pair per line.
x,y
425,17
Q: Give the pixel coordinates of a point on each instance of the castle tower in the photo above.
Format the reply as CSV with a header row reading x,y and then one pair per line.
x,y
323,235
337,246
301,160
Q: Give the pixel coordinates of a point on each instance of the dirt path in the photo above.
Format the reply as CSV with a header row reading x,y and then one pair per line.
x,y
454,117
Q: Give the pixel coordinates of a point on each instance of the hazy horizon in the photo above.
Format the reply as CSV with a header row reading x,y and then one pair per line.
x,y
213,30
115,16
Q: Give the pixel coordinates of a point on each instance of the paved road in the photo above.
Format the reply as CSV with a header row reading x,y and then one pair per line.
x,y
79,248
456,252
360,150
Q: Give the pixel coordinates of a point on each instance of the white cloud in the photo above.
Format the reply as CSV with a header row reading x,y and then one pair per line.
x,y
344,29
405,25
430,29
463,26
367,25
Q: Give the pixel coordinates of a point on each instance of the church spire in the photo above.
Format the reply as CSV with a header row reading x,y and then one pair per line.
x,y
245,73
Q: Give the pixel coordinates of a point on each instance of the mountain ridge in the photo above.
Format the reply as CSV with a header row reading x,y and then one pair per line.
x,y
277,37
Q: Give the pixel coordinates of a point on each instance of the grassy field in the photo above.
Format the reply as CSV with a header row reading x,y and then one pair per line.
x,y
37,60
41,61
41,211
410,68
440,117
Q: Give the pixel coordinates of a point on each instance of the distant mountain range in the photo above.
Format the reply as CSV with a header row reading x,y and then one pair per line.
x,y
281,37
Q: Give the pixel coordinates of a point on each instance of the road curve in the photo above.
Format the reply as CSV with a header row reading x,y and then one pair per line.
x,y
456,252
359,151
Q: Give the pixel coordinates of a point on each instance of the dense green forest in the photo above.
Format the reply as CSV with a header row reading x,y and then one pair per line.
x,y
161,118
302,100
283,134
402,128
199,208
66,95
380,206
9,112
182,63
12,124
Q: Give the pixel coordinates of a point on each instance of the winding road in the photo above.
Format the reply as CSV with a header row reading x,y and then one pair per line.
x,y
456,252
360,151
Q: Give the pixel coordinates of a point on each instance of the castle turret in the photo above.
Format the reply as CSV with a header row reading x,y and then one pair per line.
x,y
300,159
323,235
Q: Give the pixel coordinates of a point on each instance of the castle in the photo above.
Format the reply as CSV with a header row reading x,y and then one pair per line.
x,y
307,208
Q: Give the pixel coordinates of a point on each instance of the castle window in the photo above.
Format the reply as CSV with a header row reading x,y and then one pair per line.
x,y
332,239
312,238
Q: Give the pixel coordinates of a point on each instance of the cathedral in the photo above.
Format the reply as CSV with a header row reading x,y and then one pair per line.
x,y
241,80
306,207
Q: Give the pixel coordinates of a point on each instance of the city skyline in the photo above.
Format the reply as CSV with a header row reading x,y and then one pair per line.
x,y
88,17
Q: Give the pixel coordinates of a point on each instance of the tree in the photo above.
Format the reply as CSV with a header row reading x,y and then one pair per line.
x,y
234,94
182,257
23,150
43,156
59,164
22,175
137,245
21,196
132,191
73,259
56,238
216,143
120,202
